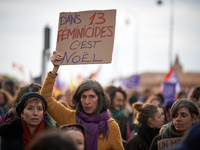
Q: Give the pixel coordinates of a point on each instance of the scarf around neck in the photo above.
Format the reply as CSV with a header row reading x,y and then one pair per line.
x,y
118,113
170,132
26,136
94,125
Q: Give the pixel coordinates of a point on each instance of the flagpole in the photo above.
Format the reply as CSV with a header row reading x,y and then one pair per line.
x,y
171,30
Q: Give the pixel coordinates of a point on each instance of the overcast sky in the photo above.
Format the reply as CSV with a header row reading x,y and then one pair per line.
x,y
141,39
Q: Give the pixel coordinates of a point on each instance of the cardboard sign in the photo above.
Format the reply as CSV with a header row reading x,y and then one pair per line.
x,y
86,37
166,143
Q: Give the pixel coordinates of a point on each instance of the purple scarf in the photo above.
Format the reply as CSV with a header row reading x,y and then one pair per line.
x,y
94,125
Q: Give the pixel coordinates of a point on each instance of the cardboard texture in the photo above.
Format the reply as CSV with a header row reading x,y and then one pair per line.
x,y
166,143
86,37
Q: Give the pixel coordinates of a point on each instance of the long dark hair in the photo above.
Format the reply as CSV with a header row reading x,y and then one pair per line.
x,y
88,84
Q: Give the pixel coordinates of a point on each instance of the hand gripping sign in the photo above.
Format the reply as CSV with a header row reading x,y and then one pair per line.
x,y
86,37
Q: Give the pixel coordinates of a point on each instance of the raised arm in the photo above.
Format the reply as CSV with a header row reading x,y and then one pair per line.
x,y
56,57
56,110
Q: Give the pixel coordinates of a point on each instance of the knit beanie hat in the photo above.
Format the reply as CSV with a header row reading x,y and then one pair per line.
x,y
25,97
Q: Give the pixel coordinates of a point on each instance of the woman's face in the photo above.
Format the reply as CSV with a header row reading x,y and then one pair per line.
x,y
89,101
162,113
183,120
77,137
118,101
33,113
158,120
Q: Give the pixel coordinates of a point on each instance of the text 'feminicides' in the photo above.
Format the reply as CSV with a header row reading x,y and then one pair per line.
x,y
86,37
83,32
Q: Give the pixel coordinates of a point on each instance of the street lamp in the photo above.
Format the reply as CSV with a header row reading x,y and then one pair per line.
x,y
171,26
159,2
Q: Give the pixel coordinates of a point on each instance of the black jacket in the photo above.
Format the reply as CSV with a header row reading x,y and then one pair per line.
x,y
11,134
142,139
169,133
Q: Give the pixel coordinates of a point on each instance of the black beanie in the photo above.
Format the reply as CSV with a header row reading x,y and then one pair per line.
x,y
25,97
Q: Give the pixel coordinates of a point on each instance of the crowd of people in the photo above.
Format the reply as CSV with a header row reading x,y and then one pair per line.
x,y
93,117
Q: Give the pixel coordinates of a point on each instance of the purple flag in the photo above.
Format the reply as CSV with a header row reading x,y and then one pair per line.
x,y
132,82
169,91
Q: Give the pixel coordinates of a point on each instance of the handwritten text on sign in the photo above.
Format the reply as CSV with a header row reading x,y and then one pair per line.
x,y
86,37
166,143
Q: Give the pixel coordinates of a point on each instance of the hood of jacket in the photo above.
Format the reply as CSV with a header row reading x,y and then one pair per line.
x,y
170,132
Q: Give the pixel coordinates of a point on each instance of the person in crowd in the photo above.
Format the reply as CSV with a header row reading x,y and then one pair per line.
x,y
161,97
195,94
5,102
132,99
63,100
163,114
118,98
184,113
90,108
11,114
190,140
162,129
18,133
52,140
77,133
68,95
145,94
195,97
32,87
149,122
168,106
181,95
135,115
154,99
9,85
157,100
165,118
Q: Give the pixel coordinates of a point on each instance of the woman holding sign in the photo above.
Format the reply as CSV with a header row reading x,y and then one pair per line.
x,y
184,113
90,108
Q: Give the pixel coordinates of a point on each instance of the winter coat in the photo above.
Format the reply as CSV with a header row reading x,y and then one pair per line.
x,y
142,139
169,138
11,134
114,140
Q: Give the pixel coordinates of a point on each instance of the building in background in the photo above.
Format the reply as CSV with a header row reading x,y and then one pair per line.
x,y
154,81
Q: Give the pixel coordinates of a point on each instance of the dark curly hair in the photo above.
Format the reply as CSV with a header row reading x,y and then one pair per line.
x,y
112,90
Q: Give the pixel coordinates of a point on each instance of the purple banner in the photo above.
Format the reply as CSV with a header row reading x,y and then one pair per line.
x,y
169,91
